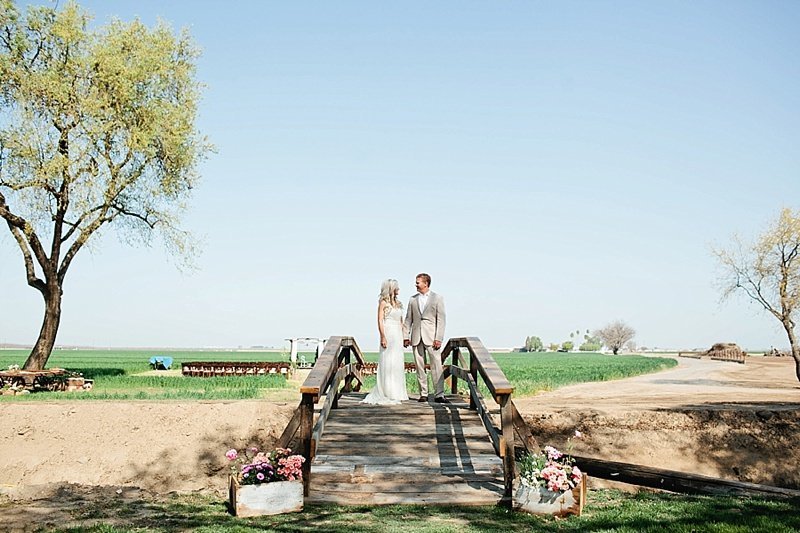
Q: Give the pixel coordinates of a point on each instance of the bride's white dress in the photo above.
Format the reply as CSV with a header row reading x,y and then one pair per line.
x,y
391,385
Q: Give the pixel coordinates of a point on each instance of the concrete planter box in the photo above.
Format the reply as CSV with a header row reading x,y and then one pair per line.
x,y
539,500
277,497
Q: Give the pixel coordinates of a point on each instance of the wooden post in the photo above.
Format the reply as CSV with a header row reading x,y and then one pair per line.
x,y
306,426
507,448
320,348
455,361
473,369
346,353
344,359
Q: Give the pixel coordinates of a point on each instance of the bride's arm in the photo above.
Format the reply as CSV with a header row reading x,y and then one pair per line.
x,y
381,307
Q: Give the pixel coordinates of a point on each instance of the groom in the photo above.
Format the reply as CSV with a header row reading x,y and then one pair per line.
x,y
424,330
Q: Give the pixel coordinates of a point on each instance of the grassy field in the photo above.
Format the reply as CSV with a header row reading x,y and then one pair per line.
x,y
117,375
533,372
606,510
123,374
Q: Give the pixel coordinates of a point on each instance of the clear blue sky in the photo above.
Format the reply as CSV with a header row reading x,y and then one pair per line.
x,y
553,165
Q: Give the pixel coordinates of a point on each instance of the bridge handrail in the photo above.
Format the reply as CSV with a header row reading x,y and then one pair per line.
x,y
492,375
482,363
333,366
337,350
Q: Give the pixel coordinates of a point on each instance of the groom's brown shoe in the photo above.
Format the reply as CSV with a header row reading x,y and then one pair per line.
x,y
422,399
441,399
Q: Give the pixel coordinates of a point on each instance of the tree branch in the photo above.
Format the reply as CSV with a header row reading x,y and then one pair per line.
x,y
25,237
143,217
30,269
62,199
34,183
754,291
76,225
80,241
7,38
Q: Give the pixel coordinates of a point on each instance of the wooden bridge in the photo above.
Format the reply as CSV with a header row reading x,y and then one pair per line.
x,y
422,453
429,453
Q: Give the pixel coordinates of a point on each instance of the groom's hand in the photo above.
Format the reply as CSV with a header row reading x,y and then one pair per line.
x,y
406,343
437,345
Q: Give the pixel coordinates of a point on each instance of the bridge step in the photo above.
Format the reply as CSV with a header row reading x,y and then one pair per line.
x,y
412,453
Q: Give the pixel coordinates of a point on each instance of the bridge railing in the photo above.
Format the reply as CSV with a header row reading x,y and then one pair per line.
x,y
339,362
483,365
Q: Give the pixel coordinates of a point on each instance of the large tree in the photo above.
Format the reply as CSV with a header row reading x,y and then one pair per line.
x,y
768,272
97,129
615,335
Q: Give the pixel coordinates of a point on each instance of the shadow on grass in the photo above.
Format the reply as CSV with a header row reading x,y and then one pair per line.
x,y
94,372
606,510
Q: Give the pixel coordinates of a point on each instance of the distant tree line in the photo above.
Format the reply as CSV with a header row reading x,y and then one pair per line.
x,y
614,336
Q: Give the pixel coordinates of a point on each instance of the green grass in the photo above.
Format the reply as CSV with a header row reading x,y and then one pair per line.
x,y
530,373
606,510
534,372
114,372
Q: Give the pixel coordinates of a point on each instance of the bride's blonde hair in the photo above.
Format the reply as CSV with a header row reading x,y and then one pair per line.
x,y
389,294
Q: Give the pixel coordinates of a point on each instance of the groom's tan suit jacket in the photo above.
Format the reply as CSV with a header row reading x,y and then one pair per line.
x,y
427,326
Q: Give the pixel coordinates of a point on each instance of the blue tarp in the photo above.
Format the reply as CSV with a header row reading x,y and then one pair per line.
x,y
160,362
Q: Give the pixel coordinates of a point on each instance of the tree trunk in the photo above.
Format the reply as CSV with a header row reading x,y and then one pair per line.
x,y
47,336
794,347
796,363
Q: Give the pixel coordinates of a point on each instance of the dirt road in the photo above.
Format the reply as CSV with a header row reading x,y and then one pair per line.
x,y
702,383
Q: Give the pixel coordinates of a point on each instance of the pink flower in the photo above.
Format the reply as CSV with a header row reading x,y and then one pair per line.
x,y
578,434
552,453
260,476
231,454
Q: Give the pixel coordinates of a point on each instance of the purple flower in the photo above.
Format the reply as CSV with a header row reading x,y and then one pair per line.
x,y
260,476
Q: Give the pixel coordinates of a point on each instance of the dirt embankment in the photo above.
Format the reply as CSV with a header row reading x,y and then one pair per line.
x,y
712,418
157,446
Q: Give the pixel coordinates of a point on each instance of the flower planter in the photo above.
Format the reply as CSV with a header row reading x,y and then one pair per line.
x,y
277,497
539,500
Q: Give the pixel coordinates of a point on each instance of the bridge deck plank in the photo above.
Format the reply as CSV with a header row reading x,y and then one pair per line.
x,y
412,453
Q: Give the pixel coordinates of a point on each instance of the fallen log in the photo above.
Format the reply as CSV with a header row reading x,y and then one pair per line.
x,y
675,481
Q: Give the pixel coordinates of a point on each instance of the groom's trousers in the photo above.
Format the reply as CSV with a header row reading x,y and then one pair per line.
x,y
435,358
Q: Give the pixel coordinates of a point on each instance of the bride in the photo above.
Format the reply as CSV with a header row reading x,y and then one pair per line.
x,y
391,385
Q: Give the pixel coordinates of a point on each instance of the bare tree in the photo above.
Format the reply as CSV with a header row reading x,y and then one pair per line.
x,y
615,335
768,272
